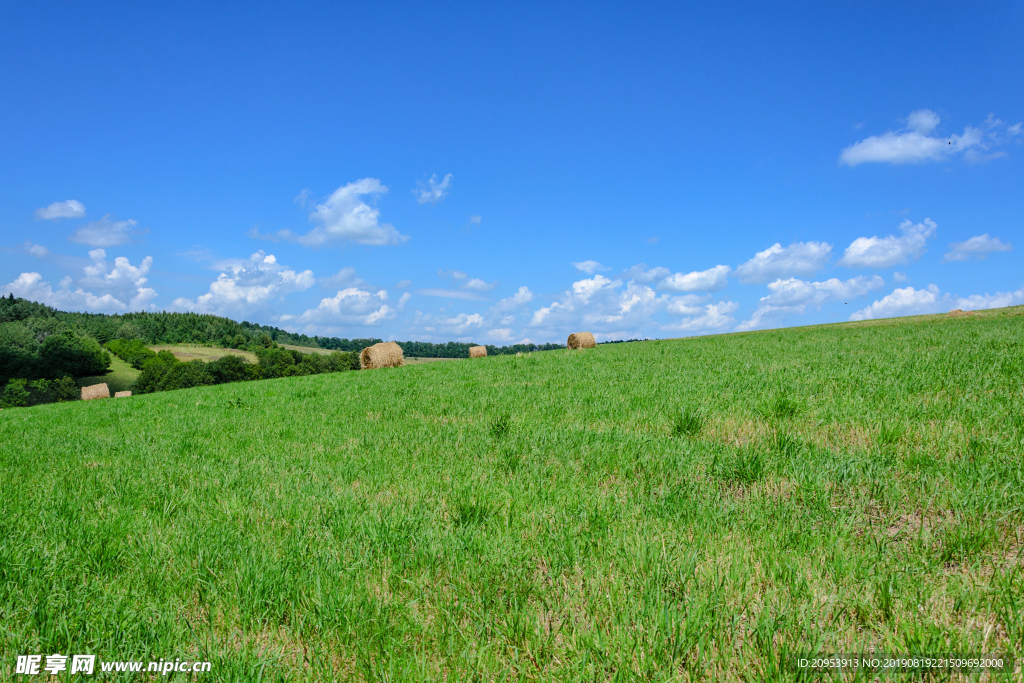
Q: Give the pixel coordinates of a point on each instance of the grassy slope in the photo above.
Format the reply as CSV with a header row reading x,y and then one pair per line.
x,y
536,516
120,377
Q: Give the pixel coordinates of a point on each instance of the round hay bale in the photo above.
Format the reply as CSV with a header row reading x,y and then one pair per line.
x,y
383,355
581,340
95,391
477,351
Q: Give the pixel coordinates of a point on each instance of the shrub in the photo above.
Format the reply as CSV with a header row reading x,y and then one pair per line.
x,y
15,395
153,371
133,351
229,369
186,376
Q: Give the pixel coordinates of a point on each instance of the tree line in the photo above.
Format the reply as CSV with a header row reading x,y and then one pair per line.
x,y
43,349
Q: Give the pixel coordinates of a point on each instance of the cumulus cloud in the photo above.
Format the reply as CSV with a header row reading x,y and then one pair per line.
x,y
345,216
352,306
977,247
478,285
802,259
589,267
914,143
709,280
461,323
599,303
248,285
905,301
976,302
910,301
125,285
884,252
640,273
70,208
794,296
710,318
125,281
432,191
104,233
37,250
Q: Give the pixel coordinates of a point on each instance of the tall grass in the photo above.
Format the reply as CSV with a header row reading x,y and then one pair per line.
x,y
841,488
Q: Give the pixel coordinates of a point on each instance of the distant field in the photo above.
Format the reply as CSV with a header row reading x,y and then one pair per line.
x,y
119,378
661,511
187,352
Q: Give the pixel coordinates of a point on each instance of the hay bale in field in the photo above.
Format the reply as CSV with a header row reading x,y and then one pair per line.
x,y
383,355
477,351
95,391
122,394
581,340
957,313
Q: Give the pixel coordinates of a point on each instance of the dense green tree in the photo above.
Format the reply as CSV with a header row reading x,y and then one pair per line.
x,y
186,376
230,369
71,354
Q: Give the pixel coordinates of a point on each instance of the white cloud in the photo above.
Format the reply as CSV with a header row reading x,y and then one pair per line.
x,y
450,294
125,281
978,247
432,191
900,277
802,259
601,304
712,317
640,273
475,219
910,301
345,216
478,285
522,297
37,250
352,306
885,252
998,300
793,296
125,285
70,208
502,334
589,267
915,144
460,323
709,280
402,284
689,304
248,285
104,233
31,286
905,301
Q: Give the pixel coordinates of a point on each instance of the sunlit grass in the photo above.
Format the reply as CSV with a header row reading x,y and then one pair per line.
x,y
665,511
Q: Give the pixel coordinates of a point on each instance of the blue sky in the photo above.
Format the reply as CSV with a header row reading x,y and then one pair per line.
x,y
499,174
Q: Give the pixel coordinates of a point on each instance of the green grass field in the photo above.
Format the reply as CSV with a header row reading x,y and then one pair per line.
x,y
120,377
675,510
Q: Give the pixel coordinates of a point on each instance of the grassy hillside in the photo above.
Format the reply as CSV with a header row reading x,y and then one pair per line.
x,y
662,510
